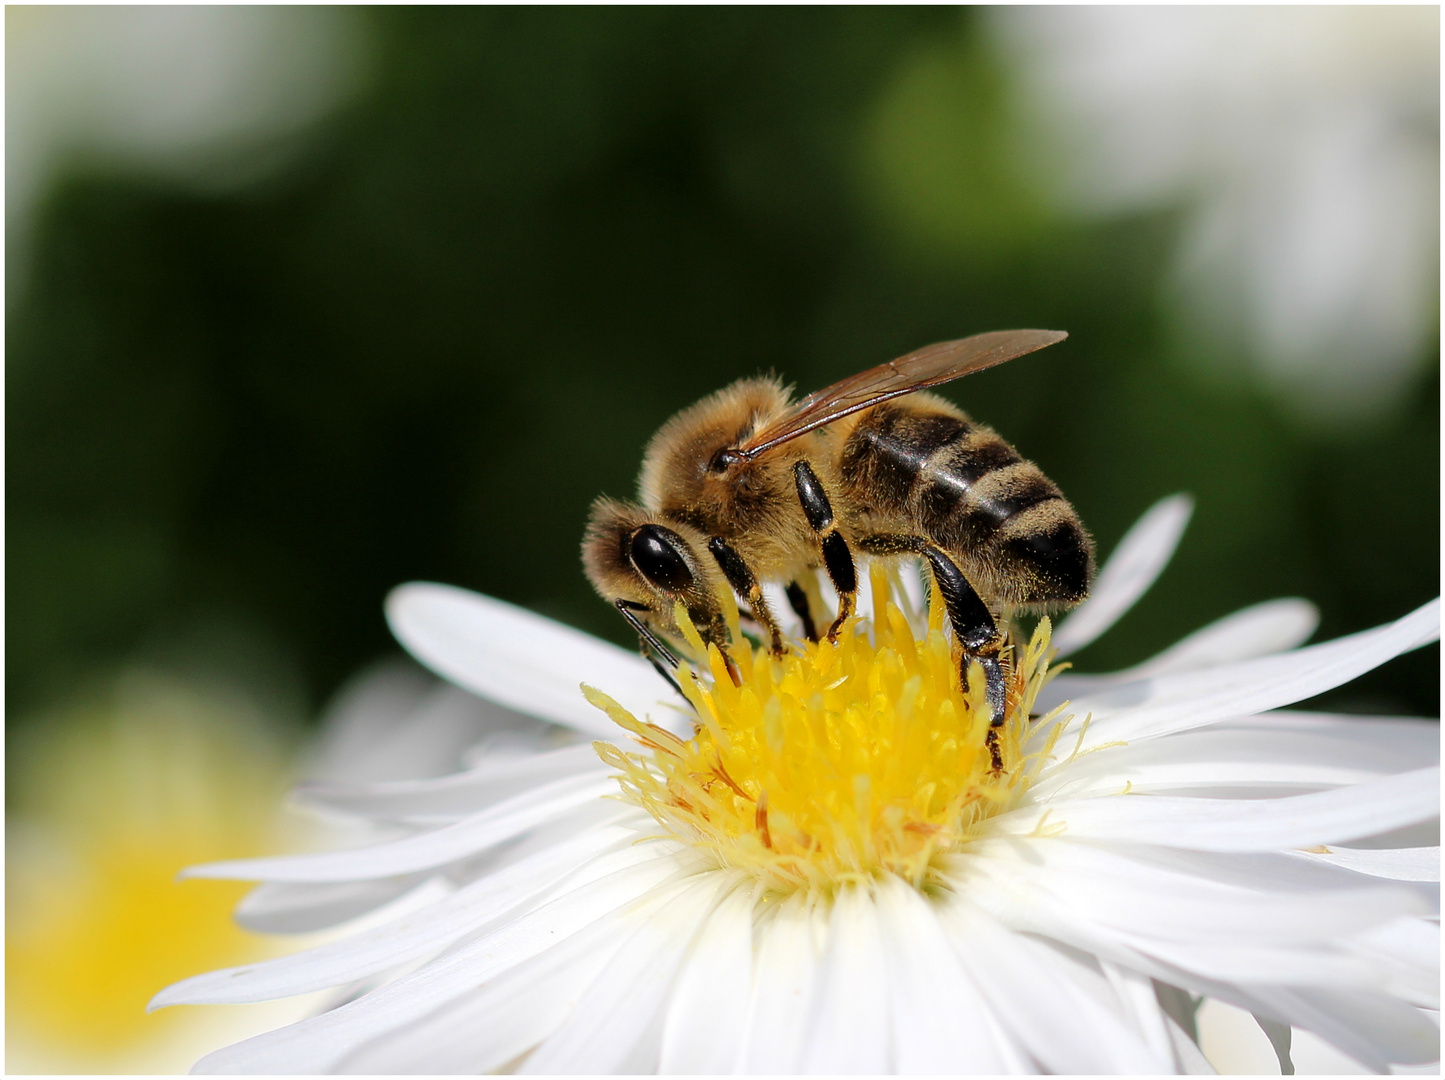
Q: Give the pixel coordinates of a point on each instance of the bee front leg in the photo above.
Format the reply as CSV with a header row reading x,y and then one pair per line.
x,y
837,559
745,583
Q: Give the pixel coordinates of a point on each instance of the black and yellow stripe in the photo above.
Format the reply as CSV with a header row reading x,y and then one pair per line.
x,y
963,487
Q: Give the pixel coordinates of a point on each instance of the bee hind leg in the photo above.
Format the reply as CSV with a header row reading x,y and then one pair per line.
x,y
973,624
975,630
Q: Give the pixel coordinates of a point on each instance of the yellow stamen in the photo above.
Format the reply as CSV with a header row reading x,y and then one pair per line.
x,y
836,762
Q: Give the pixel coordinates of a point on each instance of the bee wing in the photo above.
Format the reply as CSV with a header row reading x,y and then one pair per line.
x,y
925,367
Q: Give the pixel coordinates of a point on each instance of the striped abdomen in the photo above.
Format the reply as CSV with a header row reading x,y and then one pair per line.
x,y
920,466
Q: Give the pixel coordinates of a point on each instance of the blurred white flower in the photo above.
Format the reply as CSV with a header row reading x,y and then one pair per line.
x,y
1167,842
1304,143
207,96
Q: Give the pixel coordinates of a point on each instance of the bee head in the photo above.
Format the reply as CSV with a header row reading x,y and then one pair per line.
x,y
632,555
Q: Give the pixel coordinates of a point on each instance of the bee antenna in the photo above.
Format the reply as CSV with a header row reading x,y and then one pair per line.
x,y
652,645
658,667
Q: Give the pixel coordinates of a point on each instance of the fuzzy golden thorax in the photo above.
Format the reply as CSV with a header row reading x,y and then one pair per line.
x,y
752,505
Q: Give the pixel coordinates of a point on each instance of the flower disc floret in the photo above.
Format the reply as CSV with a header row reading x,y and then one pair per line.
x,y
835,762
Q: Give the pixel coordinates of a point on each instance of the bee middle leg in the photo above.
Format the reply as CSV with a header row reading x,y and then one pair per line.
x,y
973,624
837,559
800,602
745,583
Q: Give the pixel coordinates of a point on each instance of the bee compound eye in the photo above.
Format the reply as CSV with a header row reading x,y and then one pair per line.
x,y
656,553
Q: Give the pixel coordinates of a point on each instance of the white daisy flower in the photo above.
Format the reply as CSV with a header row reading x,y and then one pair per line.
x,y
839,869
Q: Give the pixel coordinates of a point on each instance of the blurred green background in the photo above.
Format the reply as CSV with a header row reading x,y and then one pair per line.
x,y
420,346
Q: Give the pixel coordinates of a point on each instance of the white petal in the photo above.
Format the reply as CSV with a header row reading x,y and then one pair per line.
x,y
402,723
1190,1058
1167,896
1400,864
1064,1013
1188,965
1274,626
942,1023
1297,821
621,1003
848,1029
483,1028
367,726
1371,1027
708,1005
1421,834
785,964
460,794
471,836
284,908
524,661
1375,1030
1140,557
1261,630
1141,1006
1242,758
1410,740
1409,950
1200,934
414,935
487,1028
1251,964
1178,702
1056,918
1180,1012
317,1044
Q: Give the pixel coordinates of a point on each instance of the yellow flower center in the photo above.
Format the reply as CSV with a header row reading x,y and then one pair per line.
x,y
836,762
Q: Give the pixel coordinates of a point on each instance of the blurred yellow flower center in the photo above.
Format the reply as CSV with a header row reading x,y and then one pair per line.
x,y
835,763
124,793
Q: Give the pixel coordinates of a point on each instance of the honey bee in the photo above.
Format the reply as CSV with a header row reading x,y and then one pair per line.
x,y
747,486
